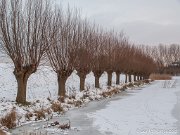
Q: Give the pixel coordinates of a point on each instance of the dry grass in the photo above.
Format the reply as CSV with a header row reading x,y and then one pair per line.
x,y
40,114
9,120
130,84
56,107
29,115
110,93
160,77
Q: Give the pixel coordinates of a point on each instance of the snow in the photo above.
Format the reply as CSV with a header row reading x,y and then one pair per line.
x,y
146,111
143,112
43,85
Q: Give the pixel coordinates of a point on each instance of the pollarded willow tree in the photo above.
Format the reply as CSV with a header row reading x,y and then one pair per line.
x,y
23,34
84,52
110,42
99,56
120,54
63,46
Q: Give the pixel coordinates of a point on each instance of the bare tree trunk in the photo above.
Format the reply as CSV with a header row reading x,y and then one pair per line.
x,y
62,85
117,78
109,83
134,78
97,82
130,80
22,78
126,79
97,75
21,92
82,77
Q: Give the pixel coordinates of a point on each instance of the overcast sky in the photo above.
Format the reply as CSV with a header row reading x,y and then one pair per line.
x,y
144,21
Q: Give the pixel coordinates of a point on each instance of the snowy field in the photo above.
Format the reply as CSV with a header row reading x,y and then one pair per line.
x,y
43,83
144,112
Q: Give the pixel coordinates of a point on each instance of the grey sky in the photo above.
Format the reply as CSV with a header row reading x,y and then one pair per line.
x,y
144,21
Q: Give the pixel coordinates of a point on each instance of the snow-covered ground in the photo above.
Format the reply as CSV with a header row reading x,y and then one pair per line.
x,y
43,83
144,112
43,86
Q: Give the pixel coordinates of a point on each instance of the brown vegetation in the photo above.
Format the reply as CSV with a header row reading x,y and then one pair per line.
x,y
40,114
160,77
56,107
9,120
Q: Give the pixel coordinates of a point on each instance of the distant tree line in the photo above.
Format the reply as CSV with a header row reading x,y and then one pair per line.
x,y
34,30
167,58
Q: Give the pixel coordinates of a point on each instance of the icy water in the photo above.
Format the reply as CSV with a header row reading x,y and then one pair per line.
x,y
81,124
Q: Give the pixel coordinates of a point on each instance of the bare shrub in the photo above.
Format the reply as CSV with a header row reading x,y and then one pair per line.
x,y
137,83
130,85
115,91
48,110
56,107
110,93
28,115
40,114
9,120
160,77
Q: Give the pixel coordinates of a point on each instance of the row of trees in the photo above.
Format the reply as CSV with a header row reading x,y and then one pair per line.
x,y
35,30
164,55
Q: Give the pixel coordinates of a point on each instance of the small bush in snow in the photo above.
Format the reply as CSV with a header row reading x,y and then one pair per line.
x,y
28,115
130,85
137,83
40,114
9,120
56,107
